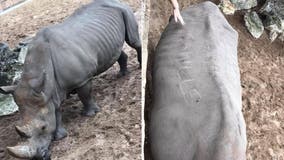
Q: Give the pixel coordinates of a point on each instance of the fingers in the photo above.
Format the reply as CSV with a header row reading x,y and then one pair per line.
x,y
181,20
178,17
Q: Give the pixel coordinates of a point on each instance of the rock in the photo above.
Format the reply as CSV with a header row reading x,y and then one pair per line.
x,y
244,4
227,7
7,105
8,59
254,24
281,37
273,13
230,6
11,63
3,47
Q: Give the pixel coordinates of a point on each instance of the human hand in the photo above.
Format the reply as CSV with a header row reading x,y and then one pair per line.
x,y
178,16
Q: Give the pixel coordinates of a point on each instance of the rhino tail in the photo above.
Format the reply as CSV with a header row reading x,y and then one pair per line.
x,y
131,28
132,37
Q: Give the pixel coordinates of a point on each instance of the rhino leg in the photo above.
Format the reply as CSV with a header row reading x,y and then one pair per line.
x,y
139,50
84,93
60,131
122,61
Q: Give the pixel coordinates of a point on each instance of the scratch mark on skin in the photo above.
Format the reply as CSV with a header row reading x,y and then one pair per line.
x,y
189,92
195,95
184,74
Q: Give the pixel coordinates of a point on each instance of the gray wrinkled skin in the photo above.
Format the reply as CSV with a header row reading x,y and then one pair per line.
x,y
63,58
196,111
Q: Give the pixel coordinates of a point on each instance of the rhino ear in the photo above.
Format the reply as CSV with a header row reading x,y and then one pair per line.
x,y
7,89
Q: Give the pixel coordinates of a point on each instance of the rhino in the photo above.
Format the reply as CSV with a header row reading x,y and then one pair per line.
x,y
63,58
196,109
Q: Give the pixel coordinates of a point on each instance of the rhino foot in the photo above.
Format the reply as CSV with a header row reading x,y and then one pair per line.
x,y
60,134
91,111
122,73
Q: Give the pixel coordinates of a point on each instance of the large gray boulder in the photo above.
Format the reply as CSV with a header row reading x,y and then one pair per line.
x,y
196,110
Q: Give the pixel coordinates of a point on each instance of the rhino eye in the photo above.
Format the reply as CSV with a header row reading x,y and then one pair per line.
x,y
36,94
43,127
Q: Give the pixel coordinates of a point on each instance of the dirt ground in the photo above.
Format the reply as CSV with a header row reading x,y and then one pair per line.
x,y
262,78
115,132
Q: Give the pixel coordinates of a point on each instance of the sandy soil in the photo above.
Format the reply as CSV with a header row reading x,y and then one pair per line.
x,y
262,78
8,3
113,133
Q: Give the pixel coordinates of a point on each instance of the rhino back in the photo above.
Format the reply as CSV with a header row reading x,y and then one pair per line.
x,y
86,44
197,96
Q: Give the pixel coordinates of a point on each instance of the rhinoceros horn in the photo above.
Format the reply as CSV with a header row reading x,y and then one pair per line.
x,y
22,151
24,131
7,89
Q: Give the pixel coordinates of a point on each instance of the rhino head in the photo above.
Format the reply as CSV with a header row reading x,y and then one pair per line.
x,y
38,120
